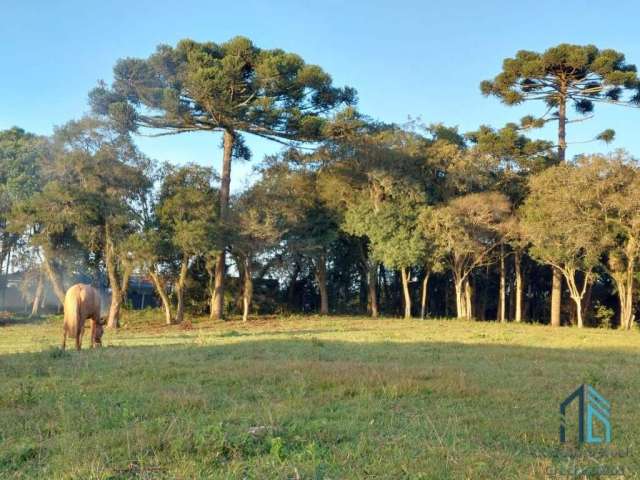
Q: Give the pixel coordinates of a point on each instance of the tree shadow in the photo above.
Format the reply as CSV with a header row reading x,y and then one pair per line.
x,y
11,319
472,400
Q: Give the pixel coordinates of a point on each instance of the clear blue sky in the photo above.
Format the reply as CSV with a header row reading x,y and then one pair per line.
x,y
406,58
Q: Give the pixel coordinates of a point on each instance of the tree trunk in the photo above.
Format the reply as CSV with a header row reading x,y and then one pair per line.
x,y
624,286
247,292
406,293
211,269
460,303
372,284
468,298
502,294
217,311
113,320
425,295
556,292
577,293
164,298
321,278
182,280
626,307
518,293
556,289
578,303
37,297
54,278
6,277
562,124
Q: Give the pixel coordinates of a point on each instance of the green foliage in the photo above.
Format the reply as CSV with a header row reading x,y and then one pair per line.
x,y
560,219
580,75
467,229
19,166
229,86
391,228
186,208
20,177
308,224
585,73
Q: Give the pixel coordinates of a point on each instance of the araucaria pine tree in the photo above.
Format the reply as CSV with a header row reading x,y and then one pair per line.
x,y
230,88
565,75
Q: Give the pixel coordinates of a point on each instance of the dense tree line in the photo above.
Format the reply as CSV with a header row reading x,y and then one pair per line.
x,y
353,215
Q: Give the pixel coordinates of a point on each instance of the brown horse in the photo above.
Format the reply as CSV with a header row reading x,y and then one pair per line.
x,y
82,302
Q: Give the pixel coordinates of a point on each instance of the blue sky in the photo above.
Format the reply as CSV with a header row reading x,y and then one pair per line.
x,y
406,58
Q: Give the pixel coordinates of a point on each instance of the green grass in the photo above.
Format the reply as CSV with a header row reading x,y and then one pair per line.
x,y
306,397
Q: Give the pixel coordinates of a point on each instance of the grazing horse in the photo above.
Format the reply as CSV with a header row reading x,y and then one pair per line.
x,y
82,302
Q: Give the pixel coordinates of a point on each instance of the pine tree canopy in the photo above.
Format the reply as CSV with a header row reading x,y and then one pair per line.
x,y
581,74
232,86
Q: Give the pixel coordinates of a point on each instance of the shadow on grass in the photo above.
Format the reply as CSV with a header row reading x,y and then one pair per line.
x,y
12,318
490,361
471,400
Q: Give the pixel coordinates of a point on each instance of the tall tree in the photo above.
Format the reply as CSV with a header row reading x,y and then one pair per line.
x,y
20,177
390,224
469,228
614,195
232,88
565,227
580,75
308,225
186,210
152,254
105,177
257,231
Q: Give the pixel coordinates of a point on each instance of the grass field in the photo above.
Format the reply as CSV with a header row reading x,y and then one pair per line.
x,y
308,397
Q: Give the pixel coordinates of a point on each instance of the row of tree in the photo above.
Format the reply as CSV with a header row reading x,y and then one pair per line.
x,y
352,215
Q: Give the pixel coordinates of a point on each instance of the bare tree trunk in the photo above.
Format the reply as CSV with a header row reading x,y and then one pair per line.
x,y
578,303
425,295
556,288
321,278
247,292
406,293
460,303
577,293
113,320
164,298
182,280
37,297
372,284
54,278
217,311
556,293
518,293
468,297
211,269
6,277
110,260
624,286
502,306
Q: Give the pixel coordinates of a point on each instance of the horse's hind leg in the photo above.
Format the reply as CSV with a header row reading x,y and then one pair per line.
x,y
79,333
93,333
